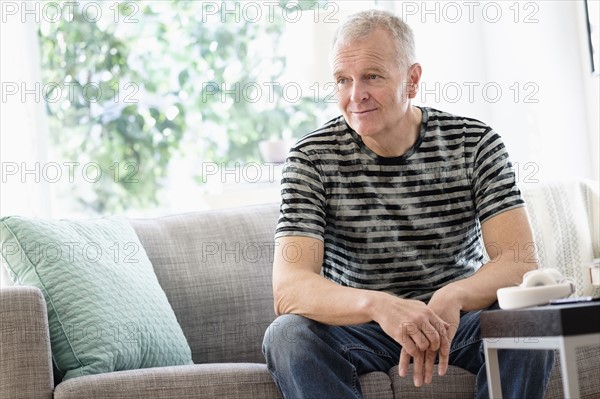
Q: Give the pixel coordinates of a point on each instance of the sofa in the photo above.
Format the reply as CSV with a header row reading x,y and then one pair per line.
x,y
215,269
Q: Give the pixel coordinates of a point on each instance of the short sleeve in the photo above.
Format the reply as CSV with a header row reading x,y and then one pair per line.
x,y
302,211
494,184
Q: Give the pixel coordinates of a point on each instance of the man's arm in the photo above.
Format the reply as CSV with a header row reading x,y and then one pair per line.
x,y
299,288
508,239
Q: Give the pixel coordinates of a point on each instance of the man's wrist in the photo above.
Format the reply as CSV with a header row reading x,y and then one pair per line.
x,y
372,302
453,294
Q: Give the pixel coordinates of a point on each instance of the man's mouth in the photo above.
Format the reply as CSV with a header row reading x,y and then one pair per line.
x,y
363,112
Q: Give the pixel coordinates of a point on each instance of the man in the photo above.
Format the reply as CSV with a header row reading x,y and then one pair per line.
x,y
385,214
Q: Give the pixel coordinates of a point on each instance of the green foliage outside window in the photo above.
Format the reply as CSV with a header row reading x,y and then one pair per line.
x,y
138,86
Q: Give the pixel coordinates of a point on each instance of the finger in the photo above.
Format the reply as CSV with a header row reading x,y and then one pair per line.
x,y
425,336
425,340
444,355
412,339
429,361
441,327
403,363
434,330
418,368
432,337
412,334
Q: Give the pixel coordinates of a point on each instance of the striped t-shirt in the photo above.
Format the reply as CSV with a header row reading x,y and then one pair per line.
x,y
406,225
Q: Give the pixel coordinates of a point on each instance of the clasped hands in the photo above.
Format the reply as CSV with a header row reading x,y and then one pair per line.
x,y
427,331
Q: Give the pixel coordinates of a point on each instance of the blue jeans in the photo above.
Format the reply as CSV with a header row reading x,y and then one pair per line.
x,y
308,359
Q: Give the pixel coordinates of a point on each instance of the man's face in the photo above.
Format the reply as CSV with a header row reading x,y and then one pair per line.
x,y
373,90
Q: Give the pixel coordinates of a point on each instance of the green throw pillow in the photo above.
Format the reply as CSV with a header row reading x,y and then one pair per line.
x,y
106,309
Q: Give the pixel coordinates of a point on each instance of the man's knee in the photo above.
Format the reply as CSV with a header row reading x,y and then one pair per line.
x,y
286,333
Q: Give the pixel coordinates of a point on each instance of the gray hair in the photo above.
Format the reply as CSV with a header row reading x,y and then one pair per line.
x,y
362,23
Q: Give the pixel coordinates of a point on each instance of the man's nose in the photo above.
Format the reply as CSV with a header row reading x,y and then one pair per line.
x,y
359,92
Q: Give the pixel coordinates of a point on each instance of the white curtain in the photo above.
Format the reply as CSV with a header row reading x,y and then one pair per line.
x,y
23,127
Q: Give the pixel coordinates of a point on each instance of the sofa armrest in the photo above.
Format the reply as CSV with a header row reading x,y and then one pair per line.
x,y
25,355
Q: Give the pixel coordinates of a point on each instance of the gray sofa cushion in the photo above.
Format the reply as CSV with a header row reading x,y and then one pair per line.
x,y
457,383
194,255
202,381
223,381
376,385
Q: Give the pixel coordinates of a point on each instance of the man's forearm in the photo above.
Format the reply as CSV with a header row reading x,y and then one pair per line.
x,y
479,290
311,295
299,288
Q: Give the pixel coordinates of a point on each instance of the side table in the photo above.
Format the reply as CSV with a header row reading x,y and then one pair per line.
x,y
563,327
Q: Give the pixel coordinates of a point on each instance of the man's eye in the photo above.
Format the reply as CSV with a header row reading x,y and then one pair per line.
x,y
373,76
341,81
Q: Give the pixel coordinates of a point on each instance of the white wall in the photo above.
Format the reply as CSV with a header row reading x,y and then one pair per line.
x,y
551,129
535,52
591,84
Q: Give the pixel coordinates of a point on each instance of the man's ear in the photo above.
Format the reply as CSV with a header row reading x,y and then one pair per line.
x,y
414,77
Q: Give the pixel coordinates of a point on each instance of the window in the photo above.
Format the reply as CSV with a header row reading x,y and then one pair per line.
x,y
161,106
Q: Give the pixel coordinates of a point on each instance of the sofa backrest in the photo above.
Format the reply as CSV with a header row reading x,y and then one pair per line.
x,y
215,267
